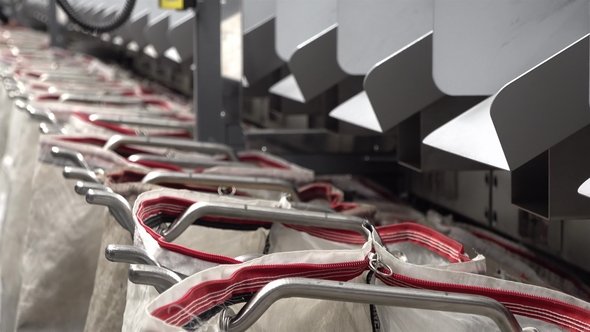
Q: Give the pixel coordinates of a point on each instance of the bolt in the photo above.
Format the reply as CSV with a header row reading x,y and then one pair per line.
x,y
376,147
263,149
222,114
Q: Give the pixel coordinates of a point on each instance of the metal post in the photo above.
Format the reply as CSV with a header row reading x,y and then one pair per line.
x,y
207,72
218,64
52,25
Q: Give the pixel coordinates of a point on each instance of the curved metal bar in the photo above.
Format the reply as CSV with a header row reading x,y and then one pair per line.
x,y
51,129
259,213
118,206
81,188
159,277
81,174
215,180
144,122
92,98
21,104
122,253
188,161
367,294
181,144
311,207
40,114
71,155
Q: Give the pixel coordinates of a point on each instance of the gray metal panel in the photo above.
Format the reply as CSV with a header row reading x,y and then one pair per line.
x,y
370,31
358,111
480,45
504,213
314,64
260,56
402,84
180,36
527,117
256,12
543,106
135,29
575,244
414,154
471,135
466,193
156,31
298,21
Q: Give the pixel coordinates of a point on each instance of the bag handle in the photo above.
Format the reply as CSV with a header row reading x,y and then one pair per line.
x,y
158,177
142,121
118,207
81,174
267,214
192,162
181,144
366,294
159,277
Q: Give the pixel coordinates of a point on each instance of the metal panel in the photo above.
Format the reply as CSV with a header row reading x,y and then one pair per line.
x,y
397,87
298,21
415,155
527,117
466,193
177,35
156,31
257,11
576,247
260,57
370,31
547,185
480,45
504,214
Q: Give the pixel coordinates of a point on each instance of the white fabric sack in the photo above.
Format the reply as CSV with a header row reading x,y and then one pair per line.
x,y
343,265
191,303
63,236
107,304
509,260
200,247
17,169
420,245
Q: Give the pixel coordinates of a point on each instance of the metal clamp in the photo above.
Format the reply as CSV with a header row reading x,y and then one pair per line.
x,y
266,214
118,206
214,180
159,277
82,188
81,174
181,144
74,156
366,294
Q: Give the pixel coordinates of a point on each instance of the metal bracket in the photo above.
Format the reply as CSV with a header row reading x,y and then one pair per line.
x,y
156,33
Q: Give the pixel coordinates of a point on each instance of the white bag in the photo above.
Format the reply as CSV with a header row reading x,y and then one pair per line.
x,y
107,304
195,303
59,250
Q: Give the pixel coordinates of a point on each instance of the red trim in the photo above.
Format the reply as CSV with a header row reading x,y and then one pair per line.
x,y
535,306
405,232
250,279
532,258
125,131
322,191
